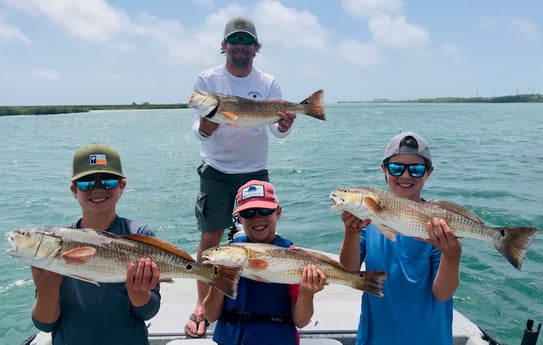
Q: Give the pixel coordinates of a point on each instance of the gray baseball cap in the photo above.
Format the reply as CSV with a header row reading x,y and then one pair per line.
x,y
408,143
240,24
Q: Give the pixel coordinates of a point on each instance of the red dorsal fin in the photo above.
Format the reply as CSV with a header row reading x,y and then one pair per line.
x,y
157,242
318,257
458,209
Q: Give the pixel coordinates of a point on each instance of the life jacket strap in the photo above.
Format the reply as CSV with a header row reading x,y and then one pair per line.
x,y
237,316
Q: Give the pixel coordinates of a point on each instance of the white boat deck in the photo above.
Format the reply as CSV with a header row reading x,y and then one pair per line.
x,y
337,310
334,322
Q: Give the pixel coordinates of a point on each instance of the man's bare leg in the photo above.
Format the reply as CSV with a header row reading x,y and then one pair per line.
x,y
207,240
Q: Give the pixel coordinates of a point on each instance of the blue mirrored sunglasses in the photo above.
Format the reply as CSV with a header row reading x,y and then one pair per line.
x,y
250,213
245,40
415,170
87,183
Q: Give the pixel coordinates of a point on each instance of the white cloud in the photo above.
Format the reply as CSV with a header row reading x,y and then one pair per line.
x,y
370,8
388,27
524,26
194,45
358,53
92,20
47,74
396,32
289,26
9,32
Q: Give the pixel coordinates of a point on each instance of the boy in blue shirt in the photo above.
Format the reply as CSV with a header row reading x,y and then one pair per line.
x,y
422,274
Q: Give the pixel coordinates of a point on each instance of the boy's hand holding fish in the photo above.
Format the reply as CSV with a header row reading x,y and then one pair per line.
x,y
141,277
441,236
313,280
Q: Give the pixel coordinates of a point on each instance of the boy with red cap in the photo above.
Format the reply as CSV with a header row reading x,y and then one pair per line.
x,y
262,310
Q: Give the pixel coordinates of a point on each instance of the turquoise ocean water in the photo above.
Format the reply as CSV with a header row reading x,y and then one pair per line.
x,y
488,157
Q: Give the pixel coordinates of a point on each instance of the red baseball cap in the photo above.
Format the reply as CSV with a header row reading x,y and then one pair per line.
x,y
256,194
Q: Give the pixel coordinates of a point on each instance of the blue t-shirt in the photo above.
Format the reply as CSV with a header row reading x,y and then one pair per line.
x,y
409,312
91,315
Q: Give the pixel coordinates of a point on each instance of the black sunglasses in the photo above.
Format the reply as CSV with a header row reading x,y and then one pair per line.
x,y
250,213
415,170
245,40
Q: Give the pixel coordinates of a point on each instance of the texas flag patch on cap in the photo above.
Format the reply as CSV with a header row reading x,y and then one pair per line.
x,y
97,159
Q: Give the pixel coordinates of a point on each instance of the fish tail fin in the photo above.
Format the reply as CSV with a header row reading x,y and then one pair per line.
x,y
371,282
514,243
226,279
314,105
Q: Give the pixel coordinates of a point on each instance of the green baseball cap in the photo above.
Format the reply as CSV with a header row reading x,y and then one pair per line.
x,y
96,159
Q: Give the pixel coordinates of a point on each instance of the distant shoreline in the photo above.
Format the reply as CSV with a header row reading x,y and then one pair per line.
x,y
65,109
524,98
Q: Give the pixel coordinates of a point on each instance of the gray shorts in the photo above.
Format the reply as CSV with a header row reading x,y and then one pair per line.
x,y
217,196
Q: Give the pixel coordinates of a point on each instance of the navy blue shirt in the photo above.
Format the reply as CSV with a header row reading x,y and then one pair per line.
x,y
258,298
91,315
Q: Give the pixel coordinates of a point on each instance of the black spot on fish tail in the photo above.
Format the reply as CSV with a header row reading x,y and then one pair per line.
x,y
514,243
314,105
226,279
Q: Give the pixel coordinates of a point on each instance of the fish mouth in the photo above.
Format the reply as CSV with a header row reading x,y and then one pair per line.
x,y
336,200
190,100
13,250
212,112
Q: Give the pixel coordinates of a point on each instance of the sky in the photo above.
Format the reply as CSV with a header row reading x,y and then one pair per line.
x,y
74,52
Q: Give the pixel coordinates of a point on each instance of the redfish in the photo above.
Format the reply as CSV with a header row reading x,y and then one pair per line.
x,y
395,215
273,264
243,113
101,257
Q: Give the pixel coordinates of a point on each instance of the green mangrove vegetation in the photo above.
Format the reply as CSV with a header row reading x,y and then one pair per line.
x,y
65,109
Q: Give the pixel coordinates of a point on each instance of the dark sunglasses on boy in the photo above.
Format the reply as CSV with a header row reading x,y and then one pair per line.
x,y
245,40
251,212
87,183
415,170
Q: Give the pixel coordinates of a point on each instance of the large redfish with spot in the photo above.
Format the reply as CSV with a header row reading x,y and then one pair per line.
x,y
273,264
102,257
395,215
241,113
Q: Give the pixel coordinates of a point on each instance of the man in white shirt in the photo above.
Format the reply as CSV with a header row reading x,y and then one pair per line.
x,y
230,157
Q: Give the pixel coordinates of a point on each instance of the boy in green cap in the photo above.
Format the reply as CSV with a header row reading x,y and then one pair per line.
x,y
78,312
